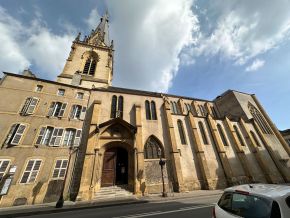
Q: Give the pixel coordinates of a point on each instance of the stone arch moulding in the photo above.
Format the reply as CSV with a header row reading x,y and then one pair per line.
x,y
153,139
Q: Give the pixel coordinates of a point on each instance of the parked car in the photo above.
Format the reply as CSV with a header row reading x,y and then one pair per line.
x,y
254,201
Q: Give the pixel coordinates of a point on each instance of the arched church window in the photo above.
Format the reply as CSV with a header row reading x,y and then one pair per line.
x,y
147,109
114,106
255,139
153,110
153,149
222,135
150,109
181,132
258,117
117,106
120,106
202,132
239,136
90,66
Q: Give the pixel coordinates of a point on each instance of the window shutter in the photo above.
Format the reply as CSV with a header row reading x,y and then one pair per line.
x,y
51,109
63,106
40,136
83,113
72,112
53,137
58,137
18,134
11,133
26,105
78,138
3,167
32,106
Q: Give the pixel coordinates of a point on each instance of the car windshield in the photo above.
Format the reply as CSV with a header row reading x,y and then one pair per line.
x,y
247,206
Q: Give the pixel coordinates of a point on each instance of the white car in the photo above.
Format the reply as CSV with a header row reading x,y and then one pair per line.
x,y
254,201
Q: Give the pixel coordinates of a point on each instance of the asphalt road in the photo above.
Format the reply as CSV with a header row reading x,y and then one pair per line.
x,y
200,207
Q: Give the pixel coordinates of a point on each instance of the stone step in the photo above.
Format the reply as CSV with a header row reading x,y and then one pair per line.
x,y
112,192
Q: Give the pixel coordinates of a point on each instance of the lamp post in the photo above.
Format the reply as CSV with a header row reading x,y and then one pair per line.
x,y
59,203
162,163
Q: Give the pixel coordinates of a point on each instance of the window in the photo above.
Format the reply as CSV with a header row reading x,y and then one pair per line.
x,y
120,107
153,149
258,117
60,169
114,106
15,134
77,112
38,88
80,95
174,108
60,92
29,106
222,135
202,132
255,139
214,113
202,110
57,136
57,109
245,205
226,202
117,110
90,66
31,171
239,136
150,110
188,107
72,137
4,164
181,132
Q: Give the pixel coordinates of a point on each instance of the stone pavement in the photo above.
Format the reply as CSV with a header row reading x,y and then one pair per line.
x,y
47,208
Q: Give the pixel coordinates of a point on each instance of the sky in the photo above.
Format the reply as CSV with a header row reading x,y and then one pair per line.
x,y
194,48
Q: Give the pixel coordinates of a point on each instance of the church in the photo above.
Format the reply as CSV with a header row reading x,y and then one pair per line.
x,y
79,134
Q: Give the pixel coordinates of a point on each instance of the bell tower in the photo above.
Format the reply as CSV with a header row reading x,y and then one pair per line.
x,y
90,62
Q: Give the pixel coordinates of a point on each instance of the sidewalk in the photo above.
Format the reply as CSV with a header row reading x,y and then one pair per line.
x,y
47,208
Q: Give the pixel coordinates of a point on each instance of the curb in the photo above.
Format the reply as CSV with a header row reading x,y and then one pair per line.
x,y
178,197
49,210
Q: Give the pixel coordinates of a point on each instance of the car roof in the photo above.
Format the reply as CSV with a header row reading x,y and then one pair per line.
x,y
269,190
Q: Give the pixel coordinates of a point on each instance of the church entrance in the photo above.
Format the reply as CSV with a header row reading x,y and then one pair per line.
x,y
115,167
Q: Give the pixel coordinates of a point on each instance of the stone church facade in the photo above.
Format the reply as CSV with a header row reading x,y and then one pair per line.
x,y
82,130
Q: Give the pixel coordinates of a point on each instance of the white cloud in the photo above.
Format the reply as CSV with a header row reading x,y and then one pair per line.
x,y
93,19
257,63
25,45
242,30
149,38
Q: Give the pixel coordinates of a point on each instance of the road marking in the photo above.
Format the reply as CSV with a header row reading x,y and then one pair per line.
x,y
163,212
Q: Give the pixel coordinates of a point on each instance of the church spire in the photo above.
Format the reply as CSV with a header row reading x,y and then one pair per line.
x,y
100,36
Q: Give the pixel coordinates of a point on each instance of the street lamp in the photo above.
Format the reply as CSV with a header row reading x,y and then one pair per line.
x,y
59,203
162,163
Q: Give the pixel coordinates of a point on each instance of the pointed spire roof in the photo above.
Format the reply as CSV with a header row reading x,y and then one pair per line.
x,y
101,34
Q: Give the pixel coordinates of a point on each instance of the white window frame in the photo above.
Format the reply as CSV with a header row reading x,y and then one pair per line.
x,y
15,134
70,138
29,106
3,172
60,92
33,173
38,88
56,137
58,107
78,112
79,95
61,170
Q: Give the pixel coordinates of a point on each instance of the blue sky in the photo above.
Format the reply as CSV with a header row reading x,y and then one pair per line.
x,y
191,48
